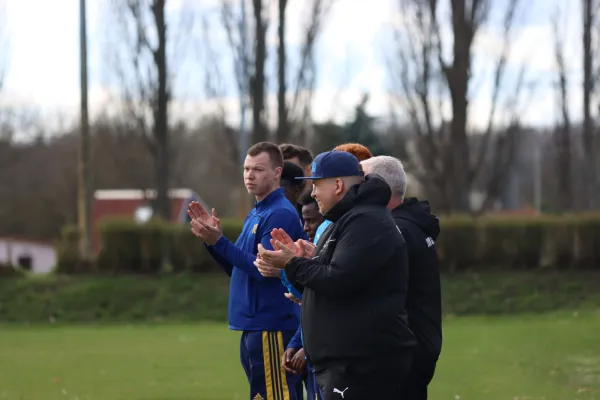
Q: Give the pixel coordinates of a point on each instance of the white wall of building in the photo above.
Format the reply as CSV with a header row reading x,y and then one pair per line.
x,y
43,256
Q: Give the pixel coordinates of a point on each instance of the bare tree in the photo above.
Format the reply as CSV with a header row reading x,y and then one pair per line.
x,y
84,176
451,161
289,115
591,165
565,195
213,83
253,77
282,117
146,81
305,79
257,78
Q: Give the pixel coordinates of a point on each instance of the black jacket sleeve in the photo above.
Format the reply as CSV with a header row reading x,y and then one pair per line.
x,y
362,248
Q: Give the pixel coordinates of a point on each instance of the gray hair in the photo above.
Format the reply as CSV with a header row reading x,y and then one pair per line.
x,y
391,170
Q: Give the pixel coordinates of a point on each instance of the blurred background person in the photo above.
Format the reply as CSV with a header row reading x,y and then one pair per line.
x,y
295,350
292,187
302,157
420,230
311,216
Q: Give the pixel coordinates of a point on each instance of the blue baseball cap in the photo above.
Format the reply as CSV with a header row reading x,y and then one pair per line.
x,y
334,164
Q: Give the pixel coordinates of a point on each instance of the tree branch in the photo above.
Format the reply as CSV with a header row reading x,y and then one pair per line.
x,y
235,45
415,74
563,129
214,88
481,151
319,9
137,86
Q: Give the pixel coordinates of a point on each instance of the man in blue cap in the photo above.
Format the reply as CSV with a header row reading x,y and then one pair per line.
x,y
353,284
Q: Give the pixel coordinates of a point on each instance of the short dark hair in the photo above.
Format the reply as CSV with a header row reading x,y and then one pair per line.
x,y
290,172
306,199
290,151
271,149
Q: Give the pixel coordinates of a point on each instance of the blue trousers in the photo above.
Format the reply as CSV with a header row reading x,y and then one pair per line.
x,y
312,389
261,353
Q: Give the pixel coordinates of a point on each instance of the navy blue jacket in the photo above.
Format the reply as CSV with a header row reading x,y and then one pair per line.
x,y
257,303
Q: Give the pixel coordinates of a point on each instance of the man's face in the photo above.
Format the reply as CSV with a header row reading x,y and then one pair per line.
x,y
312,219
260,176
327,192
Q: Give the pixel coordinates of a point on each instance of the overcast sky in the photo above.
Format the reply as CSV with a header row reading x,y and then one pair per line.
x,y
43,68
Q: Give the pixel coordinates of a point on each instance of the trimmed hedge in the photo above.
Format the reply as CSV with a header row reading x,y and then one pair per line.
x,y
61,299
557,242
549,242
128,247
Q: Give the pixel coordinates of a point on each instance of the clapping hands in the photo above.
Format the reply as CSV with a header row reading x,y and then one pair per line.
x,y
204,225
302,248
284,249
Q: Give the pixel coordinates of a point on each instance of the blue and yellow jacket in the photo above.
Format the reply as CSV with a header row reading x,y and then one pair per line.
x,y
257,303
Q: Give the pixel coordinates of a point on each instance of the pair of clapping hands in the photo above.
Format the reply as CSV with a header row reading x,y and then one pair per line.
x,y
270,262
284,249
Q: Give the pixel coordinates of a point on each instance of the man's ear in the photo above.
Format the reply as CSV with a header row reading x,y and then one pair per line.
x,y
278,173
339,186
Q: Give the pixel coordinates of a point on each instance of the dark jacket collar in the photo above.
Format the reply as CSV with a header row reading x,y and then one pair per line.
x,y
373,191
419,213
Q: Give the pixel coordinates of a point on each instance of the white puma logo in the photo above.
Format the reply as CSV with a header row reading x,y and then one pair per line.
x,y
341,392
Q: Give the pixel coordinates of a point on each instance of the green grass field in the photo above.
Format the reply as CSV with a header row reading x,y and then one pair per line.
x,y
550,357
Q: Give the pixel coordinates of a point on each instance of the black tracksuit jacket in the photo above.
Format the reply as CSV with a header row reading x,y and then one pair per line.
x,y
354,289
420,230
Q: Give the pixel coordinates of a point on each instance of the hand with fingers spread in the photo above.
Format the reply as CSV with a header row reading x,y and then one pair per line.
x,y
205,226
280,235
277,258
301,247
196,211
308,249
